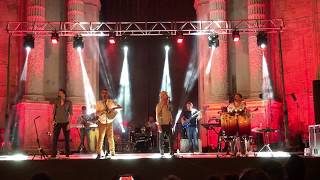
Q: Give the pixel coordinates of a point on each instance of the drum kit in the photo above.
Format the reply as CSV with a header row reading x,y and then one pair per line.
x,y
142,140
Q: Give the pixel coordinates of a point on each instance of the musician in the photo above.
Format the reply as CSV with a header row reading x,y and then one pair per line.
x,y
163,121
62,113
85,120
189,121
106,105
238,106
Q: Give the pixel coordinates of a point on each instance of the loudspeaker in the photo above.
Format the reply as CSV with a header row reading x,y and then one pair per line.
x,y
316,100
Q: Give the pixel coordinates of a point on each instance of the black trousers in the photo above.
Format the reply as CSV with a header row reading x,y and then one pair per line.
x,y
166,133
66,133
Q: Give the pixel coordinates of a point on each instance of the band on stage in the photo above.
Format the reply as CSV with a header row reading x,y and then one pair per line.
x,y
97,128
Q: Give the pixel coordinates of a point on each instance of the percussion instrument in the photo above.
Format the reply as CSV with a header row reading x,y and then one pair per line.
x,y
235,124
244,125
229,124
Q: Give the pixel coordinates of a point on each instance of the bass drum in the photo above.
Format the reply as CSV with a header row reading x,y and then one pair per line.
x,y
229,124
244,125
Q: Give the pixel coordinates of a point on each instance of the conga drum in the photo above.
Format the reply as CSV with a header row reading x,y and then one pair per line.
x,y
244,125
229,124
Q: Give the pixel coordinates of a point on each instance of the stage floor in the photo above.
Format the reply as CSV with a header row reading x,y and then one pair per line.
x,y
145,166
78,156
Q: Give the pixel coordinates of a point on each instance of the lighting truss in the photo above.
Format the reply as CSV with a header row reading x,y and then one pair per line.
x,y
144,28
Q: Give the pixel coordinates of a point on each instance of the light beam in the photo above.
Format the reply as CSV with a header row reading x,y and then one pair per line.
x,y
124,96
88,92
166,81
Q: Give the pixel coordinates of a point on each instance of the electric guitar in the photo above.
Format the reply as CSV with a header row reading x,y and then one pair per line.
x,y
108,116
186,123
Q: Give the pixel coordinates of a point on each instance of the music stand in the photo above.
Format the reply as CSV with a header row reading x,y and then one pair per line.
x,y
40,150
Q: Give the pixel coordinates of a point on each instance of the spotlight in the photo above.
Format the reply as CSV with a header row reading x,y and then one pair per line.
x,y
78,42
179,37
28,41
54,38
112,39
213,40
262,39
167,47
235,35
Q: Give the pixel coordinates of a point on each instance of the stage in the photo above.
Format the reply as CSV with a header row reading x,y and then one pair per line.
x,y
142,165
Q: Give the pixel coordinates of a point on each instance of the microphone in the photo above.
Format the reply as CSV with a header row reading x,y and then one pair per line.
x,y
36,117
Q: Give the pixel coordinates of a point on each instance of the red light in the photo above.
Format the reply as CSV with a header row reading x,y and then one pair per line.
x,y
236,39
54,41
235,35
179,40
112,41
54,38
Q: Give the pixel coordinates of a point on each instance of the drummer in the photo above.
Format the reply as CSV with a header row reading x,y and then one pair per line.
x,y
237,106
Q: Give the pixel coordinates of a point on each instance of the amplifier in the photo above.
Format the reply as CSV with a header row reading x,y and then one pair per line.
x,y
314,139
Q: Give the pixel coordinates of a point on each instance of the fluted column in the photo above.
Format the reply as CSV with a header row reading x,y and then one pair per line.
x,y
218,77
75,13
256,10
35,68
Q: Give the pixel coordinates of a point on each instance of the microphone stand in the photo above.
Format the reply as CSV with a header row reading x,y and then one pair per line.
x,y
40,150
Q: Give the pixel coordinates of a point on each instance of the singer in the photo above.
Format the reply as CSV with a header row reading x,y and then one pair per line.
x,y
61,117
164,121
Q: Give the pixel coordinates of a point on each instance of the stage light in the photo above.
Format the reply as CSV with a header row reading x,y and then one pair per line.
x,y
213,40
179,37
54,38
167,47
235,35
112,38
28,41
78,42
262,39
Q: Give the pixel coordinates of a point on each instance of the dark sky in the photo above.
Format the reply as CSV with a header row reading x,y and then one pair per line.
x,y
147,10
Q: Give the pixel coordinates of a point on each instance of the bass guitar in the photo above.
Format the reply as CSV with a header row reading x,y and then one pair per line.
x,y
186,123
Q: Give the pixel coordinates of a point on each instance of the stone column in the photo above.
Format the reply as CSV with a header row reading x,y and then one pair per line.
x,y
217,80
212,86
75,13
35,68
256,10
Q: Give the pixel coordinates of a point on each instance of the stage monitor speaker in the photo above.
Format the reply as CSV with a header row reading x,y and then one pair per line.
x,y
316,100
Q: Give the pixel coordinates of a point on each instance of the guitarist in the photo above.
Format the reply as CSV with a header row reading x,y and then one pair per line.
x,y
104,107
189,121
163,121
